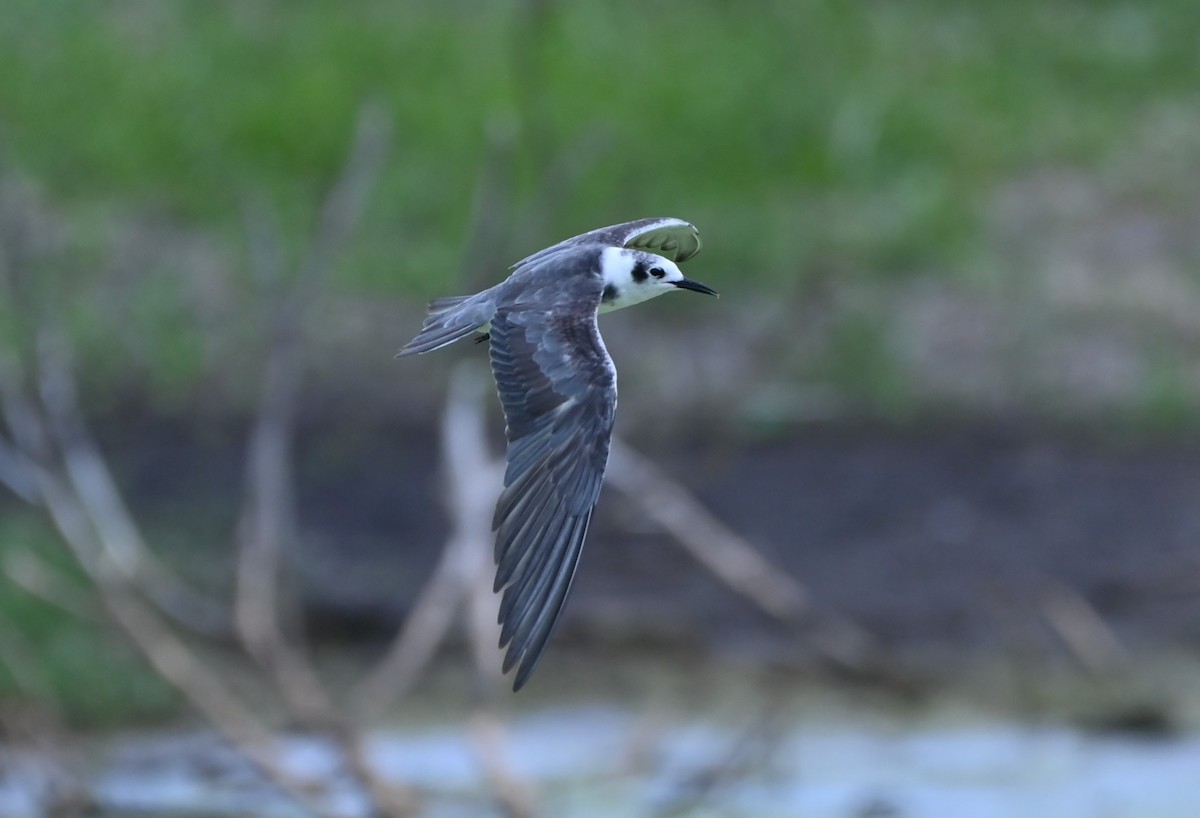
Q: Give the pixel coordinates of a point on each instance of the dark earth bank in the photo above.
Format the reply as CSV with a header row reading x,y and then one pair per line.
x,y
953,538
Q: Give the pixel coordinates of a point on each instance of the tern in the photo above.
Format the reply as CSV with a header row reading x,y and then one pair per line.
x,y
558,388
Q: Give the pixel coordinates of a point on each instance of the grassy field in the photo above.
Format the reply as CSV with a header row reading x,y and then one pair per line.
x,y
866,133
833,154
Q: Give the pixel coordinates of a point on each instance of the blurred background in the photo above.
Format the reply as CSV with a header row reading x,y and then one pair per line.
x,y
943,417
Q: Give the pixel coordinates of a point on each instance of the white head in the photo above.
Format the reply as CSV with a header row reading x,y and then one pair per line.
x,y
633,276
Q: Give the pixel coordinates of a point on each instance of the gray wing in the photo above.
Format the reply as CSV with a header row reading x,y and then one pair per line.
x,y
559,391
672,238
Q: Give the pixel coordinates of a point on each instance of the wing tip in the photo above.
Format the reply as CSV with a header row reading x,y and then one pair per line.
x,y
523,676
681,243
528,641
525,661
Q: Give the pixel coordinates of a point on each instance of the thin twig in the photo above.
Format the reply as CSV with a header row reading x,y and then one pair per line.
x,y
269,521
473,479
118,535
565,173
73,497
30,442
713,544
734,561
749,752
491,223
409,653
166,653
343,207
53,451
490,744
1084,632
433,613
269,518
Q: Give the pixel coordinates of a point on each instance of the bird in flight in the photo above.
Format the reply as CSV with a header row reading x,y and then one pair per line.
x,y
558,387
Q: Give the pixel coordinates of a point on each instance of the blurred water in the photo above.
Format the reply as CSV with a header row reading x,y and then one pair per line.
x,y
606,762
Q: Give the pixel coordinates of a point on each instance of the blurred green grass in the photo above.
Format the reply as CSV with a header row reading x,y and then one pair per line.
x,y
72,667
793,131
819,145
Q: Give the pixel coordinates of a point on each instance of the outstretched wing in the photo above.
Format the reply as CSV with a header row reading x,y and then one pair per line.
x,y
559,391
672,238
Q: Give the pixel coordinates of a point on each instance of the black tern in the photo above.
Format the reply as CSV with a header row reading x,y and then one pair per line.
x,y
558,388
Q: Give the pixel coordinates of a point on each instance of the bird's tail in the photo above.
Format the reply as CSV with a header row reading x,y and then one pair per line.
x,y
448,320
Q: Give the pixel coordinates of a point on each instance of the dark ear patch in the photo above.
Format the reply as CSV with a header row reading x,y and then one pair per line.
x,y
610,292
639,272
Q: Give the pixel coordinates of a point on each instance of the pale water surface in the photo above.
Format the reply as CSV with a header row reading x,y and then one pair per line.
x,y
607,762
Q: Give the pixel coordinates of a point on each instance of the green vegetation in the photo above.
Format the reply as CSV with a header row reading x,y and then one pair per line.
x,y
819,144
811,130
69,664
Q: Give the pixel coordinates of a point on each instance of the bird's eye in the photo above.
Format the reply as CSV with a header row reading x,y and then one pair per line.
x,y
657,272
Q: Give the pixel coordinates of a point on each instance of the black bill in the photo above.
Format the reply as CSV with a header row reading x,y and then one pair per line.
x,y
695,286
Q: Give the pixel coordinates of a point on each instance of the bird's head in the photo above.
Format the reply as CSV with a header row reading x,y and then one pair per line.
x,y
633,276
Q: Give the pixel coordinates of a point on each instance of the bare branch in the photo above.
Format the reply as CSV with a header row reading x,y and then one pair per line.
x,y
489,742
564,174
475,484
64,471
165,652
1085,633
344,205
30,439
81,503
122,546
122,541
269,518
14,470
269,521
528,69
728,556
264,245
491,225
53,430
464,448
748,753
472,482
203,689
483,604
473,478
733,560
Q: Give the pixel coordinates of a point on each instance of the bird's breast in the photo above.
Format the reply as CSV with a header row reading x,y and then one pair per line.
x,y
618,298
